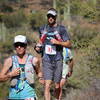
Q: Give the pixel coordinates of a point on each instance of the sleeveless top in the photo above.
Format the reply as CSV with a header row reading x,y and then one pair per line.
x,y
21,86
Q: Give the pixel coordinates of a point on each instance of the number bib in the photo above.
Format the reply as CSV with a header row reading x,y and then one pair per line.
x,y
51,50
30,99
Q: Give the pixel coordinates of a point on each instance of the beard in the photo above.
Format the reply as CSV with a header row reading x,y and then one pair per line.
x,y
51,23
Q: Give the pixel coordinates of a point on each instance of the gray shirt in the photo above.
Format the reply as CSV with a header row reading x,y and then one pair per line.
x,y
47,33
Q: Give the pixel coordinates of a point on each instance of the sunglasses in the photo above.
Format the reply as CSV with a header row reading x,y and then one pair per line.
x,y
49,15
16,45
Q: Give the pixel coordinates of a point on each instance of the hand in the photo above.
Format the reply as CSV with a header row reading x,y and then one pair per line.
x,y
54,41
37,49
41,80
69,73
14,72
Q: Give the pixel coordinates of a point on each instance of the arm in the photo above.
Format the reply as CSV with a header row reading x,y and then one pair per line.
x,y
66,44
65,39
4,74
71,63
38,47
4,77
36,63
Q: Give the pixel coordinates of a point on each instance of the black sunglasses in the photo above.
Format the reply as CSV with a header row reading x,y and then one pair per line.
x,y
49,15
16,45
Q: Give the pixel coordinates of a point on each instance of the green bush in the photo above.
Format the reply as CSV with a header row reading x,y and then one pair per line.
x,y
83,36
6,47
88,9
6,8
37,19
14,20
1,16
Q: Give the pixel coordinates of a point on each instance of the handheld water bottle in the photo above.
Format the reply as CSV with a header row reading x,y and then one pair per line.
x,y
22,74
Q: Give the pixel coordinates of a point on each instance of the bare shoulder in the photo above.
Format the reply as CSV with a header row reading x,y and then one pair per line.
x,y
6,66
35,59
8,62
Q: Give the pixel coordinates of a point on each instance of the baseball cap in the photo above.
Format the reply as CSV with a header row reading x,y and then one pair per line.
x,y
20,38
52,12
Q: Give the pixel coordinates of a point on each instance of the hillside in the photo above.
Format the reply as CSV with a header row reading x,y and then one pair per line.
x,y
85,36
28,5
86,77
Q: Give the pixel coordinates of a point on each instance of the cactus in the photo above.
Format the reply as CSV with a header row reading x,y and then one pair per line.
x,y
3,31
54,4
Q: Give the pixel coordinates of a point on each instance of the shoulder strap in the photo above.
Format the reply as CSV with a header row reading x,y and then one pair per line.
x,y
45,30
15,61
58,28
67,55
29,58
57,33
46,27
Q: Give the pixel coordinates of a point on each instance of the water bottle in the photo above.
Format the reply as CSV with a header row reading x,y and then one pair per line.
x,y
22,74
13,82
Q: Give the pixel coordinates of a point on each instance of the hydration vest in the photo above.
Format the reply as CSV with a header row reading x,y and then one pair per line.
x,y
28,68
67,55
47,35
50,35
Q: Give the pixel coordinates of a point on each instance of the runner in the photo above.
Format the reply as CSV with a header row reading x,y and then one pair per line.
x,y
67,68
53,37
20,68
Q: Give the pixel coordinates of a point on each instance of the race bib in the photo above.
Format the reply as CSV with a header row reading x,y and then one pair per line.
x,y
51,50
30,99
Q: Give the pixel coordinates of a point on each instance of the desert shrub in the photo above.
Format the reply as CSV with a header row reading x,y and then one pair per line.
x,y
14,20
83,36
6,8
1,15
32,36
37,19
6,46
4,91
88,9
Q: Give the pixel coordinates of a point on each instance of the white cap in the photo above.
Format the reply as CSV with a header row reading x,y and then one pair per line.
x,y
52,12
20,38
